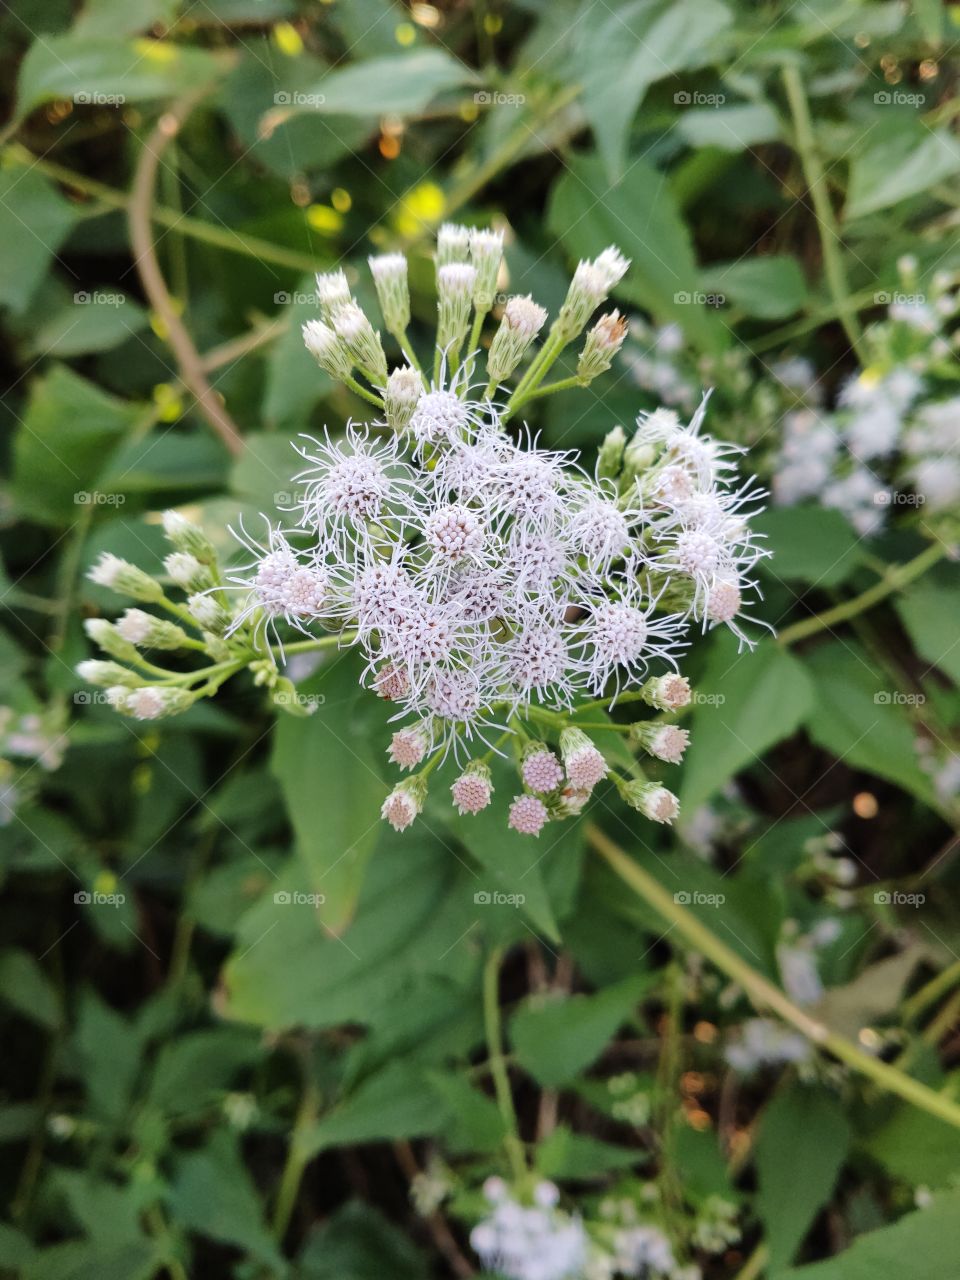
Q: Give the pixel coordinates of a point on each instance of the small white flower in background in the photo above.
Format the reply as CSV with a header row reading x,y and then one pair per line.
x,y
763,1042
530,1242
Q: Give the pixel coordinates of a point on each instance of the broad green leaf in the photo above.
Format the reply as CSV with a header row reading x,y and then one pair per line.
x,y
626,50
93,320
770,287
392,1104
400,84
556,1039
861,719
917,1148
930,611
358,1243
26,988
809,544
35,220
105,70
746,702
197,1067
640,215
733,128
331,783
295,382
898,167
69,431
112,18
107,1055
565,1154
212,1193
804,1140
922,1246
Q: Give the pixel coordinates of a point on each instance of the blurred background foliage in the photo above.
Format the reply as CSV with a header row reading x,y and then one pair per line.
x,y
202,1077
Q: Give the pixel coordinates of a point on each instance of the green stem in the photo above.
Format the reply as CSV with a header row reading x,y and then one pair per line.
x,y
754,1265
400,337
896,578
498,1069
562,384
194,228
297,1159
827,226
931,992
362,391
763,994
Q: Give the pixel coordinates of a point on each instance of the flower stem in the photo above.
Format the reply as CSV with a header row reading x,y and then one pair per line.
x,y
826,219
362,391
498,1068
896,577
763,994
562,384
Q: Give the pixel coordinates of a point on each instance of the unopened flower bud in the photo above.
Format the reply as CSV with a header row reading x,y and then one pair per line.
x,y
104,674
333,292
610,454
669,692
540,769
665,741
362,341
455,283
389,272
723,601
603,342
188,537
591,285
404,389
473,790
125,578
408,746
486,254
528,815
208,613
147,632
649,798
453,244
150,702
391,682
404,802
327,349
105,634
186,571
522,321
582,760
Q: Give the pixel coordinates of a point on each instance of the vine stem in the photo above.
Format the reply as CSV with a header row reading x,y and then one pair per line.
x,y
829,231
154,285
896,577
297,1159
763,994
498,1067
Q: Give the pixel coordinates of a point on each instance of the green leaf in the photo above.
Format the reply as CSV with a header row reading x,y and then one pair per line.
x,y
358,1243
25,987
804,1140
34,222
930,611
294,380
771,287
556,1039
197,1067
213,1194
911,161
626,51
113,18
94,320
108,1056
640,215
922,1246
733,128
69,431
745,703
399,84
565,1154
809,544
330,779
101,69
392,1104
859,720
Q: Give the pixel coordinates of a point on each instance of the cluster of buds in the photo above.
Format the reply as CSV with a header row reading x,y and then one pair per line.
x,y
495,589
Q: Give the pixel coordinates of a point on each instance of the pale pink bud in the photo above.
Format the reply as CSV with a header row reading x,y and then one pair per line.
x,y
528,815
408,747
541,770
472,790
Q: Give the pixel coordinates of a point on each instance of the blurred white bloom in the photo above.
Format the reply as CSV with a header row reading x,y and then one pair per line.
x,y
537,1242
